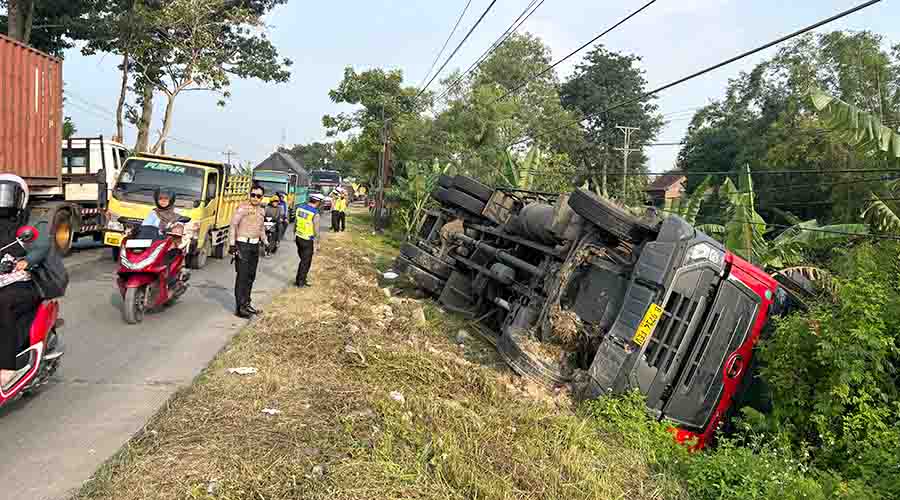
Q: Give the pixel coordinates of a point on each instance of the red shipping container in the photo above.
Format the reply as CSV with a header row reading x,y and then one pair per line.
x,y
30,113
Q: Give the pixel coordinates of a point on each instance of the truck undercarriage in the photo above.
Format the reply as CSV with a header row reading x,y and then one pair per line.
x,y
573,290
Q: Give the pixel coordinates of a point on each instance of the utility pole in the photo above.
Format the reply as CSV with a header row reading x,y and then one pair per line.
x,y
384,158
626,151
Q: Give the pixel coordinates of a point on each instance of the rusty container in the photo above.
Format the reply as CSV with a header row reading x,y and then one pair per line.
x,y
30,113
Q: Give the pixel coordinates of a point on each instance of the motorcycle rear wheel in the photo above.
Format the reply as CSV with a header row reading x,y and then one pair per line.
x,y
133,306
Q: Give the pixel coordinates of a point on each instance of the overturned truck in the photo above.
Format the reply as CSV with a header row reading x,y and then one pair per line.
x,y
574,290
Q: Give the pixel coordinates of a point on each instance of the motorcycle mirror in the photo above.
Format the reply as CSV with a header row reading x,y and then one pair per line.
x,y
197,203
27,234
184,220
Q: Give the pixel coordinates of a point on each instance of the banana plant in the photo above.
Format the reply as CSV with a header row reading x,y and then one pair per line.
x,y
745,231
867,133
413,191
520,177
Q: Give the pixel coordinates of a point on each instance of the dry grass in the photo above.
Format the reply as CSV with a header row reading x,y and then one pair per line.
x,y
466,428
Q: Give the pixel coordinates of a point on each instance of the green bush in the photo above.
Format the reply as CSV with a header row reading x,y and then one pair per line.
x,y
833,372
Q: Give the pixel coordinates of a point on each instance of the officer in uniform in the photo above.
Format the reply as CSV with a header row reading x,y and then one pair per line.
x,y
307,236
246,234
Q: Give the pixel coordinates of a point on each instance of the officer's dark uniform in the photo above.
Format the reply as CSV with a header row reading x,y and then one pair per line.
x,y
246,234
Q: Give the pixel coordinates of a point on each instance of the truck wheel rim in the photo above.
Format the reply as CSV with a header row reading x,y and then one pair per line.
x,y
62,235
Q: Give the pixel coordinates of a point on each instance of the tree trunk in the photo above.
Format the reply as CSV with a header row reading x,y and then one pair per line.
x,y
167,123
143,138
603,166
123,91
20,14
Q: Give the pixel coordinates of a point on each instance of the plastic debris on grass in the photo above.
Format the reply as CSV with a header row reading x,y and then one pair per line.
x,y
243,370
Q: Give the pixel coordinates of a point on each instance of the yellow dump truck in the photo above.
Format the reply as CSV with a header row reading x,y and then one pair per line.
x,y
204,190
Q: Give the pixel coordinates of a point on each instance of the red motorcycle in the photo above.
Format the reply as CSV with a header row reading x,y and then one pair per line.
x,y
151,271
41,358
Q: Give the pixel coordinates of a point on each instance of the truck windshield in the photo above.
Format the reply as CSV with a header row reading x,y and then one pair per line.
x,y
322,177
140,178
273,187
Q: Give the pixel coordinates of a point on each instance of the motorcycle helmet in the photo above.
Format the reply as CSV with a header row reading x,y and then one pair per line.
x,y
13,194
164,192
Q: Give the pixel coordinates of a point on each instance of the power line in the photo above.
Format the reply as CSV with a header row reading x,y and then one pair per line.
x,y
452,32
516,24
718,65
732,172
461,43
579,49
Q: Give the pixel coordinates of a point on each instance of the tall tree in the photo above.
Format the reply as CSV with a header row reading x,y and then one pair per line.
x,y
385,106
603,80
48,25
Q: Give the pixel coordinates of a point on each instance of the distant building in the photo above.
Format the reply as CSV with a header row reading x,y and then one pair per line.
x,y
665,189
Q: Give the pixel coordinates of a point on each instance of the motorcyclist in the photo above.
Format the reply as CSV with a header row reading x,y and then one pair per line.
x,y
164,214
273,210
18,295
282,205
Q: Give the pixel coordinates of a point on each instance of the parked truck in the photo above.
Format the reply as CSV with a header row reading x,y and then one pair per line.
x,y
275,181
205,191
575,290
69,180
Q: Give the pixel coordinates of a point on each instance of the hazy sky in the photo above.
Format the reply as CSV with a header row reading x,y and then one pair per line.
x,y
674,38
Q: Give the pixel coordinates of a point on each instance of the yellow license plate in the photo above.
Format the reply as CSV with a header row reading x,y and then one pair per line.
x,y
648,324
113,239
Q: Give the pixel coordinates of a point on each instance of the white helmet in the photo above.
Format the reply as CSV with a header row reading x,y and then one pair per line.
x,y
13,192
316,197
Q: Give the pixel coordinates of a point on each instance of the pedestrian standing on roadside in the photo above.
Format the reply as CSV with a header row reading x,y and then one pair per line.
x,y
307,236
247,232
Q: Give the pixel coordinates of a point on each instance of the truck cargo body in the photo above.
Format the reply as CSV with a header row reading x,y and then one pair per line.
x,y
30,113
69,181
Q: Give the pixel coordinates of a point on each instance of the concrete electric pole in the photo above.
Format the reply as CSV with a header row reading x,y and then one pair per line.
x,y
626,151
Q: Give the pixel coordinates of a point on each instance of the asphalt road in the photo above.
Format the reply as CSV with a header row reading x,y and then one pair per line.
x,y
115,376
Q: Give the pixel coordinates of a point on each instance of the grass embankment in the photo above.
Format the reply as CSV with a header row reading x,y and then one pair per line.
x,y
335,361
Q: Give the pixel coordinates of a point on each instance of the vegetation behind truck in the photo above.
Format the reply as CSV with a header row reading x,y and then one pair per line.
x,y
205,191
69,181
575,290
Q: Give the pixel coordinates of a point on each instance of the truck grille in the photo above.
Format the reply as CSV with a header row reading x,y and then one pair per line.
x,y
698,356
670,331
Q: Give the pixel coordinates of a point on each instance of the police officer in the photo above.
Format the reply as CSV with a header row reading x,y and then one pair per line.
x,y
341,210
246,234
307,236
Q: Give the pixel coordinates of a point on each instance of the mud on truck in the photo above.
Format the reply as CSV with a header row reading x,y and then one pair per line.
x,y
574,290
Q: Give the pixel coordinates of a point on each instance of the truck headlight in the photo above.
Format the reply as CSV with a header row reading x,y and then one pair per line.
x,y
705,251
113,224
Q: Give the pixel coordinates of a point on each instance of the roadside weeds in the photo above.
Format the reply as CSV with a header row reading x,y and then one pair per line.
x,y
370,405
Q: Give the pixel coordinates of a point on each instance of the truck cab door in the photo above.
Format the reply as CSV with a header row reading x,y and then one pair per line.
x,y
211,195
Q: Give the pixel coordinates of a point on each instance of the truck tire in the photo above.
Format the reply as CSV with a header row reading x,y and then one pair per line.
x,y
220,251
525,364
440,195
445,181
423,279
465,201
198,259
426,261
473,188
609,217
62,230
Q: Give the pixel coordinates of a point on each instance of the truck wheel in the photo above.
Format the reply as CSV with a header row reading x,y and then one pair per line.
x,y
473,188
198,259
465,201
509,346
133,306
440,195
426,261
63,237
220,251
423,279
445,181
609,217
